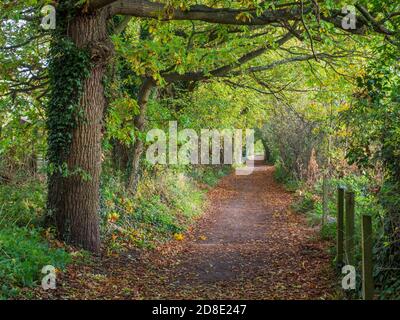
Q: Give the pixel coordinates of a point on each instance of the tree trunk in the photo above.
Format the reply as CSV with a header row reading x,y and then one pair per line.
x,y
137,148
120,155
74,199
267,152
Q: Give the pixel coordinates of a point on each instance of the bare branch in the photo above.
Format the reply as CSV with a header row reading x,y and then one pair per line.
x,y
282,62
19,45
377,27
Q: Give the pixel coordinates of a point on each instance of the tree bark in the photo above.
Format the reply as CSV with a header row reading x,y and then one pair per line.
x,y
267,151
120,155
74,199
282,13
137,148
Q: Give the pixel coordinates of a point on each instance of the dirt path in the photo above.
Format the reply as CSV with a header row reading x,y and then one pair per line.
x,y
249,245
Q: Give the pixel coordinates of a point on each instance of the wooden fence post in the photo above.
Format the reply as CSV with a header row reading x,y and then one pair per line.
x,y
367,276
349,228
325,195
340,226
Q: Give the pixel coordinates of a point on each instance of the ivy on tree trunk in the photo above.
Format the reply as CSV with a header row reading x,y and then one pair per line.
x,y
80,51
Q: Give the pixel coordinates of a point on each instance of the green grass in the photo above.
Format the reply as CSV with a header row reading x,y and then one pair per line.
x,y
157,215
367,202
209,175
282,176
23,251
23,254
166,204
22,204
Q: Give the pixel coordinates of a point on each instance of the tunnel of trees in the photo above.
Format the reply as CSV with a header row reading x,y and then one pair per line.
x,y
76,101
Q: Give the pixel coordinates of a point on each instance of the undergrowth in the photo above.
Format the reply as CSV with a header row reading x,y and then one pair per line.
x,y
23,250
165,205
367,202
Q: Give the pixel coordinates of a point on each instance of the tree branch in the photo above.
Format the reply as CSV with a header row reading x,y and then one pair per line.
x,y
98,4
19,45
285,61
224,70
291,12
122,25
144,8
377,27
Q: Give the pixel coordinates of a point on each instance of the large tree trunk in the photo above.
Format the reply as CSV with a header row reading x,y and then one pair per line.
x,y
74,199
137,148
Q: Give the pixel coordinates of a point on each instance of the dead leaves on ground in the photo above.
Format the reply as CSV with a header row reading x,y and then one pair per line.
x,y
265,252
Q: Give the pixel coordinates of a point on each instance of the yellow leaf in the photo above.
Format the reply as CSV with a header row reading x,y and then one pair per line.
x,y
183,7
178,236
113,217
203,238
244,16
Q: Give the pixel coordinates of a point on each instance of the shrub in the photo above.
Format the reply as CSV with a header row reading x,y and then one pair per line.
x,y
22,204
23,254
166,202
304,203
366,202
209,175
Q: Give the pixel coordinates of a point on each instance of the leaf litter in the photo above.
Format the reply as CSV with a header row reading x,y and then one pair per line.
x,y
247,245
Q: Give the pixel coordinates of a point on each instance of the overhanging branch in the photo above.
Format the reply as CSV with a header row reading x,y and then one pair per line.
x,y
224,70
144,8
291,12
